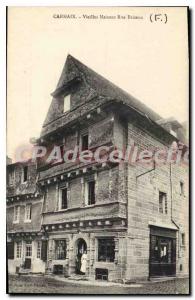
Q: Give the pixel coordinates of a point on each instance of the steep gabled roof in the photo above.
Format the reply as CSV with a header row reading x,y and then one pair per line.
x,y
75,71
74,68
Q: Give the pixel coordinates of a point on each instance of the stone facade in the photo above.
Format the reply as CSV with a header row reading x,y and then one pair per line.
x,y
24,228
144,184
119,227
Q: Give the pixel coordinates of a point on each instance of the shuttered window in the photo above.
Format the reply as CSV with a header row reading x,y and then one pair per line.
x,y
44,251
10,250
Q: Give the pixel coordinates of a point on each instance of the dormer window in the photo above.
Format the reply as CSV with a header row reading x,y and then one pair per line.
x,y
66,103
173,132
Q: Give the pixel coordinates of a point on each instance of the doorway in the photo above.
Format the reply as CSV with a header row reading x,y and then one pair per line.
x,y
28,255
162,255
81,247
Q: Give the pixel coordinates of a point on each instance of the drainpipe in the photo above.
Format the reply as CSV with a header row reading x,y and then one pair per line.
x,y
171,187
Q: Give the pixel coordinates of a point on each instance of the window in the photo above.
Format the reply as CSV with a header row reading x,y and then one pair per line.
x,y
161,249
181,188
28,210
29,249
101,274
11,177
60,249
10,250
106,249
44,250
183,239
66,103
18,249
162,202
84,142
62,148
63,199
39,249
90,192
25,173
173,132
16,214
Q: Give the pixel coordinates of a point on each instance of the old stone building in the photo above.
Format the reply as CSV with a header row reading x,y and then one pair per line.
x,y
24,206
131,219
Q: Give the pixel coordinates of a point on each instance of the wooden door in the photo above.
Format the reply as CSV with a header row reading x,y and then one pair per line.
x,y
162,256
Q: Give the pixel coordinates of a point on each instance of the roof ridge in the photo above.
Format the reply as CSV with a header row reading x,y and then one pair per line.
x,y
122,94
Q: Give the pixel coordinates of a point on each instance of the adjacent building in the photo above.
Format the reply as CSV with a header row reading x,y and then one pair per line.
x,y
25,240
130,218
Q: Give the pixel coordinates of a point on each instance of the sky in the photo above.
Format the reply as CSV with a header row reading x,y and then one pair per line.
x,y
147,59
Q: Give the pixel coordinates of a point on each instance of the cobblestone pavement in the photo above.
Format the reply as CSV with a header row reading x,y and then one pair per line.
x,y
41,284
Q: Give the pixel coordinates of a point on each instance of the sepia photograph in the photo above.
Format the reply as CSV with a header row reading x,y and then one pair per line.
x,y
97,165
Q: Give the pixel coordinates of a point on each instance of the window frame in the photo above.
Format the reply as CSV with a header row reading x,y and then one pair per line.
x,y
18,251
58,255
11,250
173,132
163,205
39,247
104,241
91,201
28,245
16,209
28,219
65,98
88,201
86,134
60,198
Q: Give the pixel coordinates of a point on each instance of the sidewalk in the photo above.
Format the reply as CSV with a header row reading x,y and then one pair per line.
x,y
50,284
109,283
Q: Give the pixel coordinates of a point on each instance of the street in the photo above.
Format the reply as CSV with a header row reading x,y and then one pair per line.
x,y
48,285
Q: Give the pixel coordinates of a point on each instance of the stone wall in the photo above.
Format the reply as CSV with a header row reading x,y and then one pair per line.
x,y
36,216
143,206
17,186
37,265
108,183
116,269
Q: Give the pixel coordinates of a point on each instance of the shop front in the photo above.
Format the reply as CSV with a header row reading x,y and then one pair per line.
x,y
162,252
